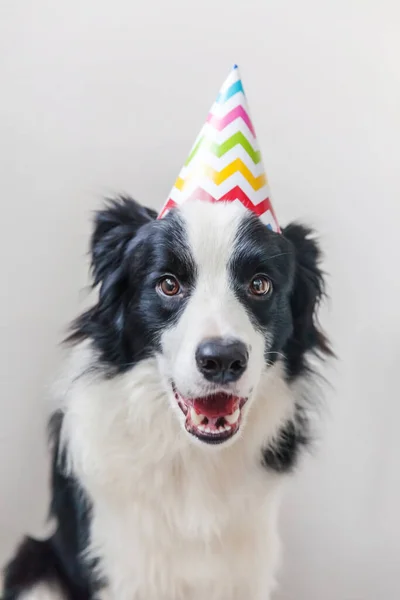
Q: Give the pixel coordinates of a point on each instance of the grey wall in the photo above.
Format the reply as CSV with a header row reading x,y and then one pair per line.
x,y
100,96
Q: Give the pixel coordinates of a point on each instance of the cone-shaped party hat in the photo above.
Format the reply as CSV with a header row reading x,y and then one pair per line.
x,y
225,163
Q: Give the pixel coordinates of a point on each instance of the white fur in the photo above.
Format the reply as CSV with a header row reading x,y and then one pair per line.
x,y
174,519
43,592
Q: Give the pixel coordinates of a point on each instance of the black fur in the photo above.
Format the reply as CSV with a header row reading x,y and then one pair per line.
x,y
306,336
58,560
307,293
130,252
258,250
72,512
281,456
291,261
35,561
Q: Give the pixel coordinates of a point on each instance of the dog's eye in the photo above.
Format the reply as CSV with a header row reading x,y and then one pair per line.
x,y
260,286
169,286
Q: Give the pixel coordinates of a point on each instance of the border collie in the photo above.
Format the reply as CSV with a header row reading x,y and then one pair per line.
x,y
182,409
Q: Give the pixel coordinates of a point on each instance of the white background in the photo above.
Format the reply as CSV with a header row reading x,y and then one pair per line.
x,y
103,96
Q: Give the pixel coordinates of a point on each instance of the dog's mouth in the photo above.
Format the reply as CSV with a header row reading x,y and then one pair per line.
x,y
212,419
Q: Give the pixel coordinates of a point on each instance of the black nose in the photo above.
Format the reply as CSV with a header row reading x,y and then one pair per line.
x,y
221,360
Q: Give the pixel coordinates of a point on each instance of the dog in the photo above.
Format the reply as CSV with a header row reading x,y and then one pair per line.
x,y
184,406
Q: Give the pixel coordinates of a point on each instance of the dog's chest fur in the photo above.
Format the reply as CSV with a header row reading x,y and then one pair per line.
x,y
171,520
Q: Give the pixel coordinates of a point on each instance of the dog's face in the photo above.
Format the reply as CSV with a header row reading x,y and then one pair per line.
x,y
226,280
213,294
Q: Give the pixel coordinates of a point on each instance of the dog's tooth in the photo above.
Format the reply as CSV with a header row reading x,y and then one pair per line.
x,y
233,417
208,430
227,428
195,418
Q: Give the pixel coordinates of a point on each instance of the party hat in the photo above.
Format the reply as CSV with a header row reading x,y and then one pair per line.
x,y
225,163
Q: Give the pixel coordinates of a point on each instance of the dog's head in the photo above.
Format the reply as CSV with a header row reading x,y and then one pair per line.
x,y
210,292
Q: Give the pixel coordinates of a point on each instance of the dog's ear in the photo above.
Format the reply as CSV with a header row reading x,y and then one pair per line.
x,y
307,292
114,227
115,233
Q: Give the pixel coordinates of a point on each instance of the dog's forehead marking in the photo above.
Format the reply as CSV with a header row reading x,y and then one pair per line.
x,y
212,230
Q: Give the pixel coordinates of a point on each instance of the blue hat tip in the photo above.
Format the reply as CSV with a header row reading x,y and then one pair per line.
x,y
235,66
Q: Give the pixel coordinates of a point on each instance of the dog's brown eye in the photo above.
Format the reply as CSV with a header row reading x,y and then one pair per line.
x,y
260,286
169,286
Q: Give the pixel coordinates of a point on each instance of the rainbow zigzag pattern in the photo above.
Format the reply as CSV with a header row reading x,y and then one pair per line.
x,y
225,163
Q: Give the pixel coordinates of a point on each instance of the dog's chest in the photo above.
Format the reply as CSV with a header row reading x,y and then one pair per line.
x,y
172,520
187,532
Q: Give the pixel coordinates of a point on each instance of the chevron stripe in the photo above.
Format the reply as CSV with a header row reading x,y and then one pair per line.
x,y
234,194
220,136
219,190
233,76
204,157
221,149
236,113
218,177
221,110
235,88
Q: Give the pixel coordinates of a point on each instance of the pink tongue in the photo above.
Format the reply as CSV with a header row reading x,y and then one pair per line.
x,y
216,405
